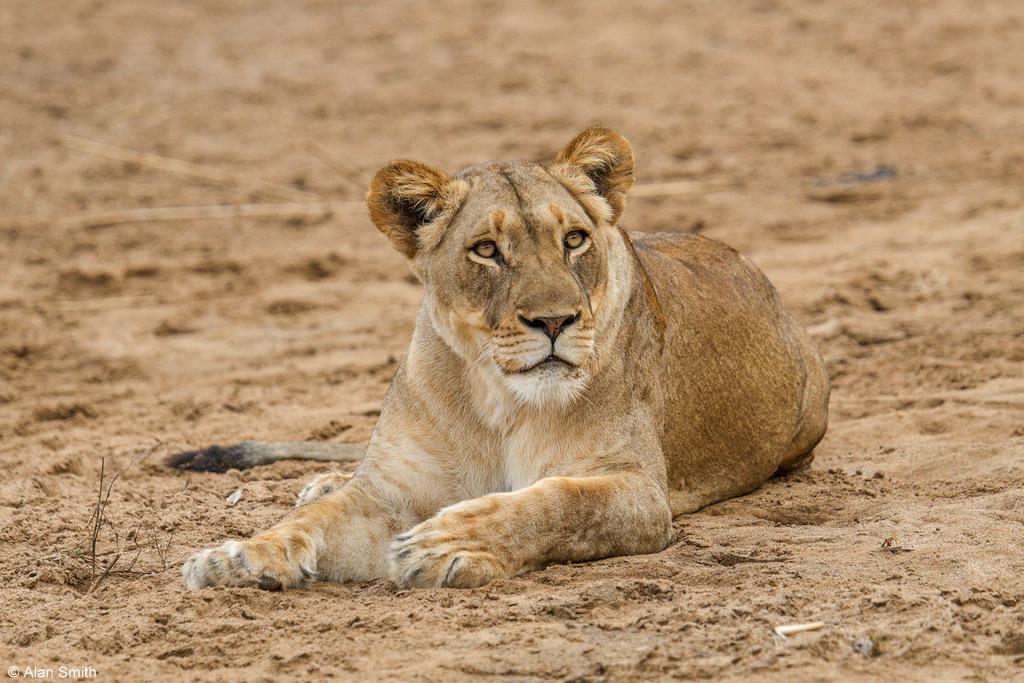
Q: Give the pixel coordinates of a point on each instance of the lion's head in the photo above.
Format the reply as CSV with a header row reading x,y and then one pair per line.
x,y
522,263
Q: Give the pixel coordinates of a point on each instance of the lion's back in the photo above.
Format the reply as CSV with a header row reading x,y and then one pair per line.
x,y
739,373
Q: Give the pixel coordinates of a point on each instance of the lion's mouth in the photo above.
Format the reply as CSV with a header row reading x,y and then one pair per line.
x,y
552,359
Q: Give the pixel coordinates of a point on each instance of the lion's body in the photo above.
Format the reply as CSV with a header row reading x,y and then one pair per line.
x,y
746,392
566,392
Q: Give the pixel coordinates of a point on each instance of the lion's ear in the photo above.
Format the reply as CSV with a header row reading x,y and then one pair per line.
x,y
404,196
603,157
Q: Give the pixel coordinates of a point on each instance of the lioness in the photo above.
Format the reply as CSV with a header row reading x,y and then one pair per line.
x,y
568,390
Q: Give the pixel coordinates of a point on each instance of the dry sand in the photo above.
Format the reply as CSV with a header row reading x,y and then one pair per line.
x,y
868,156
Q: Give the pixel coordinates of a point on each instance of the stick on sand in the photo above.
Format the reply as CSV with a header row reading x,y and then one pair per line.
x,y
306,209
315,210
184,168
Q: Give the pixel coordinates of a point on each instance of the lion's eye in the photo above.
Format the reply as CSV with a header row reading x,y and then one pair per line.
x,y
575,239
486,249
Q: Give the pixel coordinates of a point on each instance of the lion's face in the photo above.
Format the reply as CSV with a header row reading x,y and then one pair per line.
x,y
518,262
517,277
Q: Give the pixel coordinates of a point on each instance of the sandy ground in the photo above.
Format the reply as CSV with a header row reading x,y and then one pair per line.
x,y
868,156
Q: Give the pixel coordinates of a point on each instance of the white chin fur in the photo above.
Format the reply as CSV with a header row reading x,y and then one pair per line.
x,y
550,384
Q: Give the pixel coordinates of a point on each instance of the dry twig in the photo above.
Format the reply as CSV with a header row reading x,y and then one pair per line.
x,y
287,210
317,210
97,517
98,520
790,629
104,574
186,168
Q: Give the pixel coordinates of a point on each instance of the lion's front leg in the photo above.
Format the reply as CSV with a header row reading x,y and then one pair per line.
x,y
342,536
559,519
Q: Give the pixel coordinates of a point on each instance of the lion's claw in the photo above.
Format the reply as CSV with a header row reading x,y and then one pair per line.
x,y
440,552
254,563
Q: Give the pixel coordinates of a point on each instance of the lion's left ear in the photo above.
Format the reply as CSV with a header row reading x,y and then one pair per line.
x,y
404,197
605,159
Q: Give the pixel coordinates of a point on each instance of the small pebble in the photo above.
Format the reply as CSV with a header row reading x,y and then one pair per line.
x,y
864,646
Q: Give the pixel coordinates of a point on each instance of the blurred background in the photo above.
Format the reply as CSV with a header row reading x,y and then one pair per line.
x,y
185,259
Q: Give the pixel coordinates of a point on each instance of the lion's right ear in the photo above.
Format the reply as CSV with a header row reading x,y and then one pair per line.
x,y
404,196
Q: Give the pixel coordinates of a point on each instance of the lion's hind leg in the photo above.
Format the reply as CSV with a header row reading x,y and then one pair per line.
x,y
813,409
685,502
320,486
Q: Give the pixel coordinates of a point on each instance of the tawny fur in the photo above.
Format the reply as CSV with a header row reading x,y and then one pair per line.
x,y
675,381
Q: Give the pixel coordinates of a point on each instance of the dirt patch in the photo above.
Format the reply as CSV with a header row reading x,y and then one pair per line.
x,y
868,158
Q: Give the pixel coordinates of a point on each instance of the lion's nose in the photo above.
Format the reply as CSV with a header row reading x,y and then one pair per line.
x,y
552,326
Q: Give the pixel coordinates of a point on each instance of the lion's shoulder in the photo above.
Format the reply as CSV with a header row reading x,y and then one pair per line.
x,y
679,262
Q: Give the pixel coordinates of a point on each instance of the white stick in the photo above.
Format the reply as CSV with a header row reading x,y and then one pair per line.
x,y
790,629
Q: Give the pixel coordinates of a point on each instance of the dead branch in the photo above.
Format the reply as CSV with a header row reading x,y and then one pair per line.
x,y
317,210
164,550
287,210
104,574
185,168
97,518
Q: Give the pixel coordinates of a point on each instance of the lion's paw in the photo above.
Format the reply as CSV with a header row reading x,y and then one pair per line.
x,y
320,486
433,556
253,563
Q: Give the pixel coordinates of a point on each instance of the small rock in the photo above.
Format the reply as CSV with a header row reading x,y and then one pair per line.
x,y
1012,644
865,646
